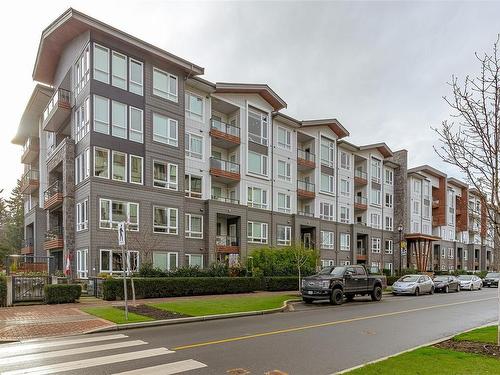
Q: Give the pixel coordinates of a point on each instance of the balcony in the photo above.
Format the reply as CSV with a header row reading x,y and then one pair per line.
x,y
57,111
360,203
227,244
224,170
54,239
27,247
305,160
53,196
30,182
225,199
31,150
305,189
305,213
360,178
361,253
435,203
224,135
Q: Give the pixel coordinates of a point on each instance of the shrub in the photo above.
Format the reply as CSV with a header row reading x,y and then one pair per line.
x,y
62,293
281,262
391,280
215,270
3,291
280,283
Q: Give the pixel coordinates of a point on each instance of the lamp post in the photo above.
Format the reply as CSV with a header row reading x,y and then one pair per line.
x,y
400,230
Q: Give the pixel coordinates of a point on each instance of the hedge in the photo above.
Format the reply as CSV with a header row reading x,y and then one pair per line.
x,y
62,293
280,283
392,279
3,291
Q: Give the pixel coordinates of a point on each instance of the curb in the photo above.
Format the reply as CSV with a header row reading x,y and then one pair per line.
x,y
347,370
166,322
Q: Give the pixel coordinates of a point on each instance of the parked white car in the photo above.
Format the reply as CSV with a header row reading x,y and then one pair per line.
x,y
413,284
470,282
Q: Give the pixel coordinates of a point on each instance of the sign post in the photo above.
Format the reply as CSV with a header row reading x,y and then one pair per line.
x,y
122,240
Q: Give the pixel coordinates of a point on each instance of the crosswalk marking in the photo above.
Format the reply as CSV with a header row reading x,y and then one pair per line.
x,y
9,349
91,362
75,351
166,369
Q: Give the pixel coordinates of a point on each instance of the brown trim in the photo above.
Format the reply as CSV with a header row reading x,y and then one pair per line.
x,y
305,193
306,163
224,136
227,249
57,243
220,173
53,201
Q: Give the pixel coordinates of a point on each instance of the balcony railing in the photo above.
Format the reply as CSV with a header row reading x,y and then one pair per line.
x,y
360,174
30,181
225,128
53,196
304,213
305,186
360,200
60,96
306,155
224,165
225,199
54,233
30,150
27,246
226,241
361,251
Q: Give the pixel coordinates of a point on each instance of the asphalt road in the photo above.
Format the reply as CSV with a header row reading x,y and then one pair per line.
x,y
314,339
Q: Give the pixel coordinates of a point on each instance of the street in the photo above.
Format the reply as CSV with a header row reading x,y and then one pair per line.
x,y
313,339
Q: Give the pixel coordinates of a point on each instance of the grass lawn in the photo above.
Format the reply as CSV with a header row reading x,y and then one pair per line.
x,y
433,361
212,306
486,334
115,315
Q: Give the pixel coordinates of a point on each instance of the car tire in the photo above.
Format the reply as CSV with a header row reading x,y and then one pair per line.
x,y
417,292
480,287
376,294
337,297
349,297
432,290
307,300
446,289
458,288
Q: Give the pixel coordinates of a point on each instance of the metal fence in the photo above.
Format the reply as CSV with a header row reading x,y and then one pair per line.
x,y
29,288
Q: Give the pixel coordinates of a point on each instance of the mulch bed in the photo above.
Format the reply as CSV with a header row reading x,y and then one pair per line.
x,y
489,350
153,312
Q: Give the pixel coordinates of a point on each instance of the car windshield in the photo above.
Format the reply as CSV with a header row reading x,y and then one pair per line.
x,y
493,274
335,271
465,277
409,279
441,278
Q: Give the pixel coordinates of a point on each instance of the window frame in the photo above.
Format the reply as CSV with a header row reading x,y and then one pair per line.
x,y
187,146
169,185
110,256
125,168
189,233
288,169
288,200
130,156
263,204
105,123
82,212
108,163
82,272
115,76
130,128
253,239
130,81
168,254
189,112
187,187
166,140
331,209
288,235
330,244
288,136
135,226
345,246
169,229
160,93
263,164
331,183
94,69
376,245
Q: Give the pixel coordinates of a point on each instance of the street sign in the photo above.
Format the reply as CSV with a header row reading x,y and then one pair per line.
x,y
121,234
403,244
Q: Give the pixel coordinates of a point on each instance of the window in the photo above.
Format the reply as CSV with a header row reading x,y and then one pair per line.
x,y
165,261
327,239
119,166
111,261
416,227
257,127
426,209
194,260
388,223
135,82
284,170
82,120
136,133
112,212
345,214
119,70
388,247
165,220
416,207
375,221
327,152
101,63
165,175
257,232
345,262
82,166
82,215
284,202
136,168
257,197
416,186
327,262
257,163
101,162
376,170
389,200
118,119
82,71
345,160
164,130
466,254
194,226
101,114
164,85
345,241
284,138
375,245
388,266
451,253
193,186
326,211
81,263
326,183
284,235
389,177
345,187
194,146
376,196
194,106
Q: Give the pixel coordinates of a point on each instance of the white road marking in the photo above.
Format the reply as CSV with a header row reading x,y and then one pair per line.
x,y
167,369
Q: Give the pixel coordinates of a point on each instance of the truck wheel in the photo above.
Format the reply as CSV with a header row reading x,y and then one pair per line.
x,y
349,297
376,293
337,297
307,300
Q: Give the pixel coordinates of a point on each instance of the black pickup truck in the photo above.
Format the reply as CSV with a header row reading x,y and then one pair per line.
x,y
334,283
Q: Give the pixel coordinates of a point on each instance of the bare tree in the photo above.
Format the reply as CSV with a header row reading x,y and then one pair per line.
x,y
145,242
301,256
470,139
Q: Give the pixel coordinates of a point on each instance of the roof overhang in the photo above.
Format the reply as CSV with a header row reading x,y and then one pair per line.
x,y
287,120
380,147
417,174
252,88
28,126
333,124
428,169
201,84
73,23
391,164
421,237
347,145
457,182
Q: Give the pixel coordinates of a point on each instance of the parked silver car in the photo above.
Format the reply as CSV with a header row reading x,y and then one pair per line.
x,y
413,284
470,282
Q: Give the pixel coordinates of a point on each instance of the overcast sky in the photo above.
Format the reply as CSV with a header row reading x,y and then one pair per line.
x,y
380,68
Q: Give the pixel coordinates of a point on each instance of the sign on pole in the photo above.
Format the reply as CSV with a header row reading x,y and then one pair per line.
x,y
121,234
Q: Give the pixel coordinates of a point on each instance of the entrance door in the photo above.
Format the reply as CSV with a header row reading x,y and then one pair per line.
x,y
306,238
232,235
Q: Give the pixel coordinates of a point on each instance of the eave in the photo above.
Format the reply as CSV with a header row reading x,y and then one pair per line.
x,y
333,124
252,88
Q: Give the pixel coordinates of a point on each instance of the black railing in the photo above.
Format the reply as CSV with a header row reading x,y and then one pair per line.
x,y
61,95
360,200
306,155
225,199
305,185
226,241
54,233
224,165
54,188
225,128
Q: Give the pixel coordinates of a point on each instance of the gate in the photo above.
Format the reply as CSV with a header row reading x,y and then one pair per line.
x,y
29,288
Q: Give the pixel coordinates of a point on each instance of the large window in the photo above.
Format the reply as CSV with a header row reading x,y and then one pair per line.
x,y
136,169
82,70
164,85
82,120
111,261
101,63
135,83
327,184
194,260
257,163
345,214
388,223
345,187
257,232
165,261
165,220
119,70
389,177
327,239
345,160
101,162
165,130
375,245
284,170
136,133
194,226
112,212
376,170
194,106
327,152
165,175
119,166
375,221
284,138
118,119
257,127
101,114
257,197
82,215
388,247
81,263
345,241
326,211
376,196
389,200
284,203
193,186
194,146
284,235
82,166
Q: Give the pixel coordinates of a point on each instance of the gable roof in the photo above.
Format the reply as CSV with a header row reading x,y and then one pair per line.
x,y
428,169
252,88
380,147
333,124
